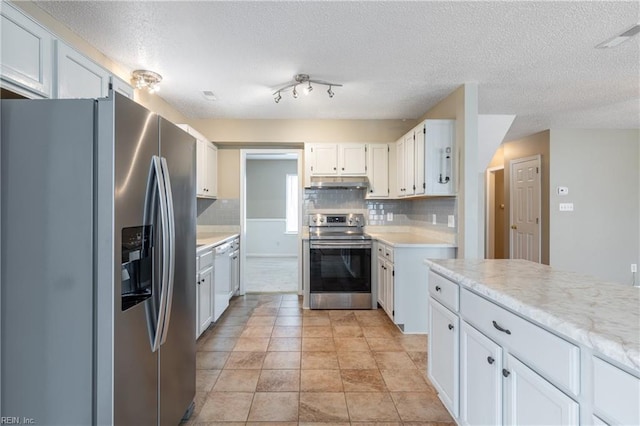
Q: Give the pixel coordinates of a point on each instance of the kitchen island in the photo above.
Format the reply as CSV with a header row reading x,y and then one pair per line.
x,y
520,331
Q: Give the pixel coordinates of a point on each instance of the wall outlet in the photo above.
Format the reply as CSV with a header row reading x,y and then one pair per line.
x,y
566,207
634,267
451,221
433,219
390,217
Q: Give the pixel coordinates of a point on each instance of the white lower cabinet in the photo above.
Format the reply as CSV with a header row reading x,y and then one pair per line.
x,y
443,351
386,277
204,297
531,400
616,394
480,378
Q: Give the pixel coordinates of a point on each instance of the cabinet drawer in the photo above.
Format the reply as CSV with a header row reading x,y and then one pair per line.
x,y
615,394
548,354
385,252
444,291
206,260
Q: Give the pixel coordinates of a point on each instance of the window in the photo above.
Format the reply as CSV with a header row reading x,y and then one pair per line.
x,y
292,204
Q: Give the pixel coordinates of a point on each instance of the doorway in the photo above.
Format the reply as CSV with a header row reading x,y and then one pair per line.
x,y
271,213
525,208
496,215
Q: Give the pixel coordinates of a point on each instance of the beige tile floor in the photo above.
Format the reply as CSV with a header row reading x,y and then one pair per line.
x,y
269,361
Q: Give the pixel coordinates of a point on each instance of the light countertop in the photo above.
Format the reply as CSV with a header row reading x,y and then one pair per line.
x,y
406,239
599,315
207,240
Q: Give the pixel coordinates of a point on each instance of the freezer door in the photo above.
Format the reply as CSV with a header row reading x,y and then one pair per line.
x,y
177,353
135,373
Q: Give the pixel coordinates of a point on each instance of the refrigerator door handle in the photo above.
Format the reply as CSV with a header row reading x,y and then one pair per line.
x,y
164,219
171,249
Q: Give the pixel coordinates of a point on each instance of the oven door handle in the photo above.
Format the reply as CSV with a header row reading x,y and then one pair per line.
x,y
339,244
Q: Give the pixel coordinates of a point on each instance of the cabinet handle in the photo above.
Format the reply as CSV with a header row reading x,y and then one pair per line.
x,y
379,249
335,168
490,360
450,326
343,169
497,327
505,372
438,288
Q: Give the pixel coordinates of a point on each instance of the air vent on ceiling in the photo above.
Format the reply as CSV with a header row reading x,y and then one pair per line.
x,y
209,95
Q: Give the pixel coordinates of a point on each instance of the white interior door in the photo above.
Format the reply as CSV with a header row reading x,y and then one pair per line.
x,y
525,208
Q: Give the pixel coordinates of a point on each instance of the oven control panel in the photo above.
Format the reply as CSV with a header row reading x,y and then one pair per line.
x,y
343,220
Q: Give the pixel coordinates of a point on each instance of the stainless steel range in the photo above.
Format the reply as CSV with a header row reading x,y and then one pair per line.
x,y
339,262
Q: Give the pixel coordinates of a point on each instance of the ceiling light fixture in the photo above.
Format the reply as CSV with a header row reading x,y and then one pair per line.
x,y
619,39
146,79
301,79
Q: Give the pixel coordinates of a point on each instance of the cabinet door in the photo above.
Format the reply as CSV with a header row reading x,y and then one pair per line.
x,y
439,157
401,174
25,49
378,170
204,295
409,164
443,354
389,290
121,87
211,168
201,168
419,165
324,159
77,76
352,159
531,400
480,378
381,281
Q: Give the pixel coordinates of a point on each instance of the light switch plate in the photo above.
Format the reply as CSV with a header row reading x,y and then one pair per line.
x,y
433,219
390,217
451,222
562,190
566,207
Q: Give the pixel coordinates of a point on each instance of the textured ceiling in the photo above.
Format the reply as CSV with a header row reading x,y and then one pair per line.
x,y
396,59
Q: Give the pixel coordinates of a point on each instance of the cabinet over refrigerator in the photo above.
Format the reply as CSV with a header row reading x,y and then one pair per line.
x,y
97,263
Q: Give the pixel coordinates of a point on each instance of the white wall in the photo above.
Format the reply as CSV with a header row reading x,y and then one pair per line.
x,y
268,239
601,237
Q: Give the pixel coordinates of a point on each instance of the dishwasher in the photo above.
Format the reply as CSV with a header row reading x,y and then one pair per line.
x,y
221,279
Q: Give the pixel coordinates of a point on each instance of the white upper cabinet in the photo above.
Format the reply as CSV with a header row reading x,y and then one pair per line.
x,y
378,170
343,159
77,76
25,49
122,87
206,164
352,159
425,160
439,146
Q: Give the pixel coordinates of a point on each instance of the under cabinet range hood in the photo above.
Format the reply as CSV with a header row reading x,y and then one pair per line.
x,y
339,182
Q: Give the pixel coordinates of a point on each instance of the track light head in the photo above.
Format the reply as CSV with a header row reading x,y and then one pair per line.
x,y
330,92
308,89
295,92
278,98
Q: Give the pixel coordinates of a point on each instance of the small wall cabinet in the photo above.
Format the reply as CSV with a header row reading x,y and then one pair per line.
x,y
206,164
425,160
378,170
343,159
26,63
77,76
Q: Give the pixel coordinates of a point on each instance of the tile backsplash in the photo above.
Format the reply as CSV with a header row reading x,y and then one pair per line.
x,y
218,212
413,212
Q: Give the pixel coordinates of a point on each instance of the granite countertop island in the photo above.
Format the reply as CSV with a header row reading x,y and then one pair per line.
x,y
602,316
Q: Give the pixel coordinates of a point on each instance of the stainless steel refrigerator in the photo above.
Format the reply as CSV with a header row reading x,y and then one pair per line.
x,y
97,263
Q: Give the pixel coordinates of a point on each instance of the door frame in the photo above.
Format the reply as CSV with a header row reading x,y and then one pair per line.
x,y
490,212
513,162
244,153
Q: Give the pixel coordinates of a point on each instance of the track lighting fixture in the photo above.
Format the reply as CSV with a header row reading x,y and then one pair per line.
x,y
301,79
145,78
